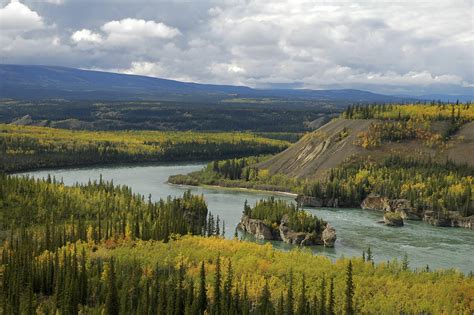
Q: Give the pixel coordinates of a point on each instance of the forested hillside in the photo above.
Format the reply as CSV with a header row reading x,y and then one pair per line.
x,y
28,147
266,115
438,132
421,154
100,249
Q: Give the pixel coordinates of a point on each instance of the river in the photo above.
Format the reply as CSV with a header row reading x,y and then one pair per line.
x,y
356,228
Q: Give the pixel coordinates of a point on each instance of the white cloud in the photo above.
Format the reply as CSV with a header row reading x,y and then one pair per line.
x,y
145,68
86,35
139,28
16,17
256,42
57,2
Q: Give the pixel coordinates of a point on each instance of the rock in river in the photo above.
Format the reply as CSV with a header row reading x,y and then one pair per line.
x,y
393,219
329,236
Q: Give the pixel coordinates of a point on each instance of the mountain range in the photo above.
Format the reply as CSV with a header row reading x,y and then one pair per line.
x,y
52,82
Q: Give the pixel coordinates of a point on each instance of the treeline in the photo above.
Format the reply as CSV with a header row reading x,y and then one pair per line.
x,y
24,147
273,211
237,168
271,116
69,280
195,275
426,184
97,211
386,131
100,249
455,112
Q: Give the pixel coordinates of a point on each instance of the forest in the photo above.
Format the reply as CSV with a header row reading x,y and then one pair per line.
x,y
288,116
29,147
428,185
99,248
272,212
433,111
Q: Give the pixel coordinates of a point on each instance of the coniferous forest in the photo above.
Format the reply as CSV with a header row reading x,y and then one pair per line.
x,y
245,157
29,147
100,249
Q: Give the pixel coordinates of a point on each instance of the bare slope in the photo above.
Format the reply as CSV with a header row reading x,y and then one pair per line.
x,y
335,143
462,149
319,151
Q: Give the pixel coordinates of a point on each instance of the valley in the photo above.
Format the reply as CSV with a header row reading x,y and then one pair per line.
x,y
110,207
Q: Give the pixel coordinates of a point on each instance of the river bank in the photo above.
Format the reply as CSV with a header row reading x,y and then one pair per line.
x,y
357,229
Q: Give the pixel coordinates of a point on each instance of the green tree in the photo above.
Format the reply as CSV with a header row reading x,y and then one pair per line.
x,y
349,309
111,300
217,305
202,298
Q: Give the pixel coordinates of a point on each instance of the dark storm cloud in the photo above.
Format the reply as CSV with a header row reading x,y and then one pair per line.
x,y
410,46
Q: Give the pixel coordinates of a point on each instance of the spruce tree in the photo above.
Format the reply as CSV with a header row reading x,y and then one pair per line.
x,y
405,263
302,301
289,310
330,306
228,288
217,305
349,309
322,297
202,298
83,279
265,304
111,299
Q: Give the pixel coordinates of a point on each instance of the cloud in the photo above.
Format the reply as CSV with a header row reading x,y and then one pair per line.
x,y
57,2
86,35
139,28
16,17
145,68
311,44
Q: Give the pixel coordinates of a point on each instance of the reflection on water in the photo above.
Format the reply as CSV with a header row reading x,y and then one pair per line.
x,y
356,229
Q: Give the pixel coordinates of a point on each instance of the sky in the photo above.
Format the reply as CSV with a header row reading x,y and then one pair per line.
x,y
393,47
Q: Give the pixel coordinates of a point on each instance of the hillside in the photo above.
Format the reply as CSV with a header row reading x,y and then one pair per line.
x,y
43,82
339,141
319,151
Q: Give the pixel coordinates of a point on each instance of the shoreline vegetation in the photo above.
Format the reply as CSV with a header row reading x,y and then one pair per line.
x,y
98,247
30,147
314,193
413,187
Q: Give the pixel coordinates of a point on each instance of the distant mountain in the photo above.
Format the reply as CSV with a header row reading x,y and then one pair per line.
x,y
47,82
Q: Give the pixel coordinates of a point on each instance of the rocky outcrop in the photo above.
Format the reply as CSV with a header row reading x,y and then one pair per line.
x,y
283,233
374,202
451,219
308,201
295,238
400,206
393,219
329,236
257,228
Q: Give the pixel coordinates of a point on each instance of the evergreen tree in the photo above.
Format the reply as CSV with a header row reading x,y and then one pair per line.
x,y
322,296
405,262
331,301
217,304
202,298
302,310
289,310
111,300
349,309
265,306
228,288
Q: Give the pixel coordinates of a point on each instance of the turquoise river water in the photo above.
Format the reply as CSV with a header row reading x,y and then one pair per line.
x,y
356,229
